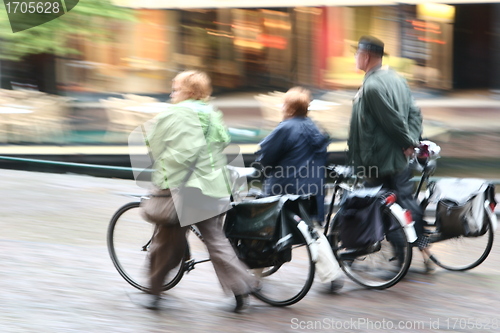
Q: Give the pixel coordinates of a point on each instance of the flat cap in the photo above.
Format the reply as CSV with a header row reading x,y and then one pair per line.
x,y
371,44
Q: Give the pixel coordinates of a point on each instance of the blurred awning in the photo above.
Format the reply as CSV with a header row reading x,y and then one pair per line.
x,y
182,4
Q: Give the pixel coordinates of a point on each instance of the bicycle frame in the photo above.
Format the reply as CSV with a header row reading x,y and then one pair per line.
x,y
428,170
399,213
239,178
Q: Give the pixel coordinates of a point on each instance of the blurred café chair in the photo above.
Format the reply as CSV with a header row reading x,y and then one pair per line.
x,y
51,118
270,110
138,99
17,123
120,120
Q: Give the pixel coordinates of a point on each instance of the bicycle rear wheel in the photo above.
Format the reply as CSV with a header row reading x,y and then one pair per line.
x,y
462,253
381,265
129,238
287,282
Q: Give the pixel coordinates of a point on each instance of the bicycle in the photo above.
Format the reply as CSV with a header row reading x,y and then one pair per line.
x,y
374,267
384,263
456,252
285,278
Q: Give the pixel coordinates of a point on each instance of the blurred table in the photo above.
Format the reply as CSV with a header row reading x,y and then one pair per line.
x,y
15,108
14,116
320,105
148,108
316,105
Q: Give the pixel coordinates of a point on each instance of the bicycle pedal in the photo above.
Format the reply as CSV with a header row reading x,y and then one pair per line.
x,y
429,224
375,247
189,265
433,235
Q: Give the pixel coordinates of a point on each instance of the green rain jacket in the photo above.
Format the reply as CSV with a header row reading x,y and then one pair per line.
x,y
180,134
384,121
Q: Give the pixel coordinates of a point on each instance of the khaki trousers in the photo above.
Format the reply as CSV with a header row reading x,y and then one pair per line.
x,y
169,245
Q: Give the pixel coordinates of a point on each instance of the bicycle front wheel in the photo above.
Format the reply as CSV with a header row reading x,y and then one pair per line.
x,y
462,253
129,238
289,279
380,265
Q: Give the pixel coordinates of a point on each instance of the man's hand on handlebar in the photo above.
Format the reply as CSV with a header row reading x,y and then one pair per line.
x,y
409,152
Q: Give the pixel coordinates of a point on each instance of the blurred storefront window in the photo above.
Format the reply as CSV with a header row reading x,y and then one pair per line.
x,y
260,48
134,61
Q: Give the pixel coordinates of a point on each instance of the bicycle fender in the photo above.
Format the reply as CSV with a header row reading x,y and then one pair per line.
x,y
304,230
491,215
409,228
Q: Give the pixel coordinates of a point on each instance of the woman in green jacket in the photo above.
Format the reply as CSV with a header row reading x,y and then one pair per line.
x,y
186,142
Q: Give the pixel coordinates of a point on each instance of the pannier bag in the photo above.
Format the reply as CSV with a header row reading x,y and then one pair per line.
x,y
360,219
460,209
259,229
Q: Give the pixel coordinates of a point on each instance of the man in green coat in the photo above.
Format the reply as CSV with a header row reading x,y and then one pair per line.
x,y
385,127
385,124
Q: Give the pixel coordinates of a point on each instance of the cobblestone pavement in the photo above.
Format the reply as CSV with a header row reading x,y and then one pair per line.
x,y
56,276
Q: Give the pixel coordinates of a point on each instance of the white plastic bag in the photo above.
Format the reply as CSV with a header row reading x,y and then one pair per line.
x,y
327,267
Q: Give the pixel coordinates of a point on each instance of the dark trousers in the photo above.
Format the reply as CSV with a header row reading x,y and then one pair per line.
x,y
169,245
167,249
401,185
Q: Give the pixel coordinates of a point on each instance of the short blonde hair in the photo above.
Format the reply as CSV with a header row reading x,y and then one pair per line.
x,y
296,101
197,83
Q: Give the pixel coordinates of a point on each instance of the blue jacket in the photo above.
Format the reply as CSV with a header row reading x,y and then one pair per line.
x,y
294,160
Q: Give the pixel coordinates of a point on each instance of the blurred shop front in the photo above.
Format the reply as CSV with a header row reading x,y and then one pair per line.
x,y
111,87
239,48
256,48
